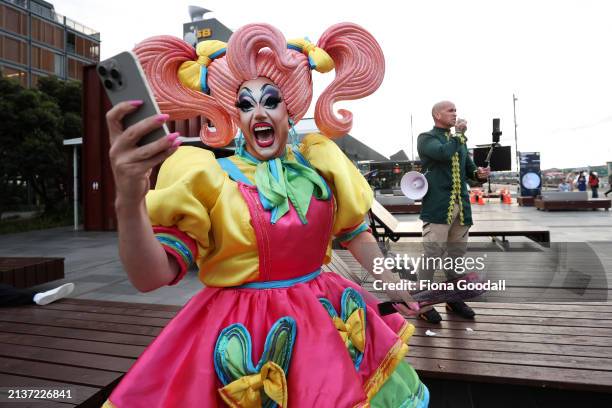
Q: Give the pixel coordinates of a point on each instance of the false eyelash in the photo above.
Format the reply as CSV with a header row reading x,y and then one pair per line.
x,y
273,101
243,105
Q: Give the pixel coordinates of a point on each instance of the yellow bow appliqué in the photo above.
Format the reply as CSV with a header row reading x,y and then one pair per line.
x,y
351,324
318,58
353,329
249,386
245,392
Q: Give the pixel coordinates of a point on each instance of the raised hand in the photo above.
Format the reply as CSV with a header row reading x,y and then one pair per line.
x,y
131,164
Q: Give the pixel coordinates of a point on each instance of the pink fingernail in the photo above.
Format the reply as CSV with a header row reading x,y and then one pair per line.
x,y
177,143
162,118
173,136
136,102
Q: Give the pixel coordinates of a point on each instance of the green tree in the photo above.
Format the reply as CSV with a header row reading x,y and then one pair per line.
x,y
68,96
31,142
9,90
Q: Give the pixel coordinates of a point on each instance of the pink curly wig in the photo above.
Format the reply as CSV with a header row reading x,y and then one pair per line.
x,y
161,58
260,50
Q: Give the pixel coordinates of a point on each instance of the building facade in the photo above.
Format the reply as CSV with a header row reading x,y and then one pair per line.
x,y
35,41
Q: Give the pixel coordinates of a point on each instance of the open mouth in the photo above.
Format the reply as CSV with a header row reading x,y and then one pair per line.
x,y
264,134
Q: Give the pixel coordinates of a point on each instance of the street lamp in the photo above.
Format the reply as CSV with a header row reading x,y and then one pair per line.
x,y
518,170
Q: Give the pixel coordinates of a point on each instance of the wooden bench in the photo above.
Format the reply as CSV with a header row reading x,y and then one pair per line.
x,y
386,227
593,203
82,345
399,204
526,201
25,272
414,208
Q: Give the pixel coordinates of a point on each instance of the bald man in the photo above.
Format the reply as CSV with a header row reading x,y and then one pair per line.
x,y
446,211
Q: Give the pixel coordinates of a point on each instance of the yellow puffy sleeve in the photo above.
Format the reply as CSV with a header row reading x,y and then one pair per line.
x,y
188,186
352,192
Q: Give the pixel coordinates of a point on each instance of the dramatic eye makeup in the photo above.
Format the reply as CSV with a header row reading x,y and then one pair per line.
x,y
246,101
270,97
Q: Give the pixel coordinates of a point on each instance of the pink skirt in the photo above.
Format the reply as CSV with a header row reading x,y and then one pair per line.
x,y
177,369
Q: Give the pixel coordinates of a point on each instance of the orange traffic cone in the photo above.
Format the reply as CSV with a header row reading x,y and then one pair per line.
x,y
507,198
481,200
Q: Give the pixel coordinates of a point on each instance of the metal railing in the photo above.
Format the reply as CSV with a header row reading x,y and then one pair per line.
x,y
50,14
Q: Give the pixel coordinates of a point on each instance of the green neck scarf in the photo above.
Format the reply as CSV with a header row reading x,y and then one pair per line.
x,y
281,180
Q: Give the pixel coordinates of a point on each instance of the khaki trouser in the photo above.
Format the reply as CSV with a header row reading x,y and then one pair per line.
x,y
441,241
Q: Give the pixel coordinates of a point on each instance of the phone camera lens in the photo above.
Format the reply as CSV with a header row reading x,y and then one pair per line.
x,y
114,73
102,71
108,84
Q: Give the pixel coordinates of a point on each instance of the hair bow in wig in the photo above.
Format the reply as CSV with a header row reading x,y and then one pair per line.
x,y
192,74
317,57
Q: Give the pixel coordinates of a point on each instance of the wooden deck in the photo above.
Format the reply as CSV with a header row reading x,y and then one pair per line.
x,y
539,345
82,345
533,354
555,351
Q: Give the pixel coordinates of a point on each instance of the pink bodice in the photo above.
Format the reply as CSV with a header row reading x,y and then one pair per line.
x,y
289,249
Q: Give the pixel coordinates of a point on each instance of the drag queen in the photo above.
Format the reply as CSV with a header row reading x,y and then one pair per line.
x,y
270,328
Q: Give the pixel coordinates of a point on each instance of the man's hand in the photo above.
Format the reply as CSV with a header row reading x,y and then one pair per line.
x,y
461,126
482,173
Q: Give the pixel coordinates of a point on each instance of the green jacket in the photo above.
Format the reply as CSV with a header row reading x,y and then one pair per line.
x,y
446,165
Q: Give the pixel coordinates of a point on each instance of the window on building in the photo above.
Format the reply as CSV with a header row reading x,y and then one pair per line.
x,y
47,33
12,49
94,52
15,74
13,20
75,69
41,10
80,46
71,42
20,3
48,61
91,50
58,65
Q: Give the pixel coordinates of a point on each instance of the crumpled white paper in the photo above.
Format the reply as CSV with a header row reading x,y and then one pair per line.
x,y
469,329
430,333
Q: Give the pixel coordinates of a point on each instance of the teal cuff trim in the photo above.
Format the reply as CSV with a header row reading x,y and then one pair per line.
x,y
178,246
349,236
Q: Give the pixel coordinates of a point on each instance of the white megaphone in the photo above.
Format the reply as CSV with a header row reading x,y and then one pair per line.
x,y
414,185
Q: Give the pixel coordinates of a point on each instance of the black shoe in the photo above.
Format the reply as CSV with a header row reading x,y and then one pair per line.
x,y
431,316
461,309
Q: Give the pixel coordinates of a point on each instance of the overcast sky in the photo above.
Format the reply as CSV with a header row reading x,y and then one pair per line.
x,y
554,55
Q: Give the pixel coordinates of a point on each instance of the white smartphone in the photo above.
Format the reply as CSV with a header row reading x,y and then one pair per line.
x,y
123,79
